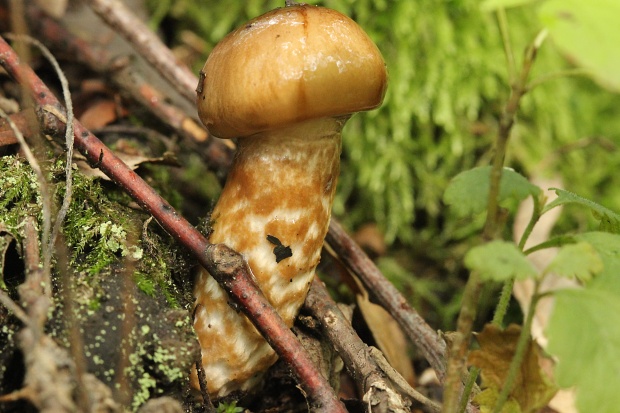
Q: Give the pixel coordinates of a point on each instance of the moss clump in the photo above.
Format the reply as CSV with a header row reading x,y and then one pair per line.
x,y
98,231
106,241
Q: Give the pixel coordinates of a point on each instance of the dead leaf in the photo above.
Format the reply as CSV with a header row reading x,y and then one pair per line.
x,y
101,113
388,335
532,388
370,238
132,160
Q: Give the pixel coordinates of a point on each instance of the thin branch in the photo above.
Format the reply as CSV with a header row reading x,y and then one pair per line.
x,y
360,360
419,332
147,44
216,152
224,264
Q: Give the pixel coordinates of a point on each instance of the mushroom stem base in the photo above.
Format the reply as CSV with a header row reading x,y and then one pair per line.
x,y
274,210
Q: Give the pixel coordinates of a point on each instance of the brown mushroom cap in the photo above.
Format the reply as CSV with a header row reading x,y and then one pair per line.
x,y
288,65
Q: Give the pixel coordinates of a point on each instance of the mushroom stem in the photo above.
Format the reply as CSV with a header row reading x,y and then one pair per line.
x,y
275,210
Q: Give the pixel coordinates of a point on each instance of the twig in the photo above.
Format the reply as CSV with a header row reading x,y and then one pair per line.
x,y
225,265
419,332
147,44
216,152
204,391
362,362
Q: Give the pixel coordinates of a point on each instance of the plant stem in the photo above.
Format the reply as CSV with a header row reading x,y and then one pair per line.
x,y
530,225
520,353
469,385
504,299
502,304
557,75
502,22
460,344
518,89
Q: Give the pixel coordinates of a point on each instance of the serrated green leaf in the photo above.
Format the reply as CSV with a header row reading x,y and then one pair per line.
x,y
492,5
584,335
587,32
608,248
610,221
578,260
499,261
468,192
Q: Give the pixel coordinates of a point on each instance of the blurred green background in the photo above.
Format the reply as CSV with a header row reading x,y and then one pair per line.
x,y
448,85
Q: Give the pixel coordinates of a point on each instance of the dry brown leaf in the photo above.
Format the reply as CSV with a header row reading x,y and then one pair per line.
x,y
133,161
101,113
388,335
532,388
370,238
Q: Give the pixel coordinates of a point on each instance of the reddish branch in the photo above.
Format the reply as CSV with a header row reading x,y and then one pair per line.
x,y
226,266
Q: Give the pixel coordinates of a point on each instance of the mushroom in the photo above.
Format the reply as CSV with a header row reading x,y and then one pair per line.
x,y
284,85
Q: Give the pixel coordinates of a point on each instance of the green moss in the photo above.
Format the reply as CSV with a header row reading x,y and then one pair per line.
x,y
448,85
98,230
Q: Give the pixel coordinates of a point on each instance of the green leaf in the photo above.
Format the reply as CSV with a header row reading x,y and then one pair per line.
x,y
468,192
584,335
499,261
579,260
492,5
588,33
608,248
609,220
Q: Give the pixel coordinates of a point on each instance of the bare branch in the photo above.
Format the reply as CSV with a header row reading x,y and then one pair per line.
x,y
418,331
147,44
